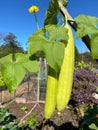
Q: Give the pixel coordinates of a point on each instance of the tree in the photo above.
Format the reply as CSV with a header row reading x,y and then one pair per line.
x,y
10,45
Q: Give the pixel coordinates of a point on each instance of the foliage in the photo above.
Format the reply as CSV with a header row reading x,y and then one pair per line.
x,y
87,58
31,121
88,25
10,45
81,64
84,85
50,40
10,70
24,108
7,120
6,49
10,122
9,37
51,13
90,119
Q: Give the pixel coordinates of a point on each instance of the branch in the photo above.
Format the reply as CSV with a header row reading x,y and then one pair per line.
x,y
71,21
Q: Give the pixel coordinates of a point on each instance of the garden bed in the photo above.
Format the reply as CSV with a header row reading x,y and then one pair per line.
x,y
66,120
82,108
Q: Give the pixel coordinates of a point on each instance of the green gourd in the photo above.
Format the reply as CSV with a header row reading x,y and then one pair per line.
x,y
50,102
65,80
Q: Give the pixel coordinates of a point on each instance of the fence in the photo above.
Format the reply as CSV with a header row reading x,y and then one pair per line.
x,y
28,88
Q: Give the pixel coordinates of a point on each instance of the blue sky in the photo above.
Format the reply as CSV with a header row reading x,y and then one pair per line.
x,y
15,18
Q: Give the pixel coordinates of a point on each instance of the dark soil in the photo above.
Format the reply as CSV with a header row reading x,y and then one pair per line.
x,y
67,120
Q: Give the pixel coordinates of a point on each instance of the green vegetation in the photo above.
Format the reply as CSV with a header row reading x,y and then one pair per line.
x,y
10,45
50,43
32,121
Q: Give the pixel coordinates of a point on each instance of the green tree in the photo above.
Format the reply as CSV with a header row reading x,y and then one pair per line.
x,y
10,45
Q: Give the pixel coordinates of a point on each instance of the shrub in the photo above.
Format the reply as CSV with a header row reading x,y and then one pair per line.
x,y
85,83
7,120
90,119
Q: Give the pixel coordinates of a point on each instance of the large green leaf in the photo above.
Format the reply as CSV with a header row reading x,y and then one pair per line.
x,y
12,75
24,61
51,41
51,13
56,32
14,72
86,25
36,40
94,45
54,54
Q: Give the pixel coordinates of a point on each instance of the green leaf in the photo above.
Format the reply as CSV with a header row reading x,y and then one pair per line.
x,y
12,75
14,72
36,40
54,53
52,42
56,32
51,13
86,25
3,114
93,126
25,62
94,46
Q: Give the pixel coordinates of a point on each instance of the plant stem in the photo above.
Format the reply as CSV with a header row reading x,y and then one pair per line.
x,y
36,20
64,11
38,88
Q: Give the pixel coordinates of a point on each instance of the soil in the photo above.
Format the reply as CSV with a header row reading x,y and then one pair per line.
x,y
67,120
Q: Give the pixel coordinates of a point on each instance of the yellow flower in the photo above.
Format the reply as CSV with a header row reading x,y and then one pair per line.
x,y
33,9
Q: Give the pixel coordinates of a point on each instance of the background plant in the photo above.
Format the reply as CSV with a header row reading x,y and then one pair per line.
x,y
90,119
85,83
10,45
7,120
10,122
31,121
